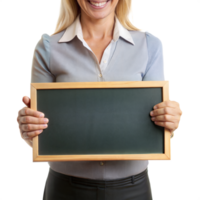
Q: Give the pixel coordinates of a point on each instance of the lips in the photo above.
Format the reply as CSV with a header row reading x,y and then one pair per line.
x,y
98,1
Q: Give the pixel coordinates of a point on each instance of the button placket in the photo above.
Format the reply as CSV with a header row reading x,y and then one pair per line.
x,y
100,71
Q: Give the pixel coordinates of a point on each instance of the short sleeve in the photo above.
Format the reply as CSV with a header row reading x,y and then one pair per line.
x,y
154,69
40,64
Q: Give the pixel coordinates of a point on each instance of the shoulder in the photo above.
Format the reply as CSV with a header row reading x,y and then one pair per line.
x,y
153,42
56,37
43,43
146,35
46,41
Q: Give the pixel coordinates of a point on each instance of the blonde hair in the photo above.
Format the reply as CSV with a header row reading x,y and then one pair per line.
x,y
70,9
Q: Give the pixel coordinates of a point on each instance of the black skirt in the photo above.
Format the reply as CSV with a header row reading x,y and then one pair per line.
x,y
63,187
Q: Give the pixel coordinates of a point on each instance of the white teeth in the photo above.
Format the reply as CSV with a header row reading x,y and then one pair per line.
x,y
98,4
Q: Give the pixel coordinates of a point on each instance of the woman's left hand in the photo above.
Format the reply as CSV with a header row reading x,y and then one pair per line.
x,y
167,114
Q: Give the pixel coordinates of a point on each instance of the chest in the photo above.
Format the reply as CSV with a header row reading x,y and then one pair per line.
x,y
98,46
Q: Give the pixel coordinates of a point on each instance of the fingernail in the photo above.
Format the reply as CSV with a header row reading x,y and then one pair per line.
x,y
46,120
152,118
41,115
151,113
155,107
45,125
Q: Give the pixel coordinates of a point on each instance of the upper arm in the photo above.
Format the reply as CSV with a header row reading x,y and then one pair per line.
x,y
156,66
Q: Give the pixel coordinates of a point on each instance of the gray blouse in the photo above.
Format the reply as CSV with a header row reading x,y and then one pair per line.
x,y
66,57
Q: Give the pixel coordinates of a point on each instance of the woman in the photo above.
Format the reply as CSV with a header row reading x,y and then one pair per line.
x,y
95,41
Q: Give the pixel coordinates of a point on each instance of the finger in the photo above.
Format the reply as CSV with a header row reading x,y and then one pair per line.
x,y
169,125
165,110
31,134
32,127
165,118
27,101
32,120
27,111
168,103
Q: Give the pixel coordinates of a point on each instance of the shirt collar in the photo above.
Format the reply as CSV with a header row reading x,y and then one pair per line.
x,y
76,29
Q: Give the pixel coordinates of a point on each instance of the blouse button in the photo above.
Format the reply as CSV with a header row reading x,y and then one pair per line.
x,y
101,163
100,75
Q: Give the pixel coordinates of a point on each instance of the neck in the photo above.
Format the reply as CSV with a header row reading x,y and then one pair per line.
x,y
97,29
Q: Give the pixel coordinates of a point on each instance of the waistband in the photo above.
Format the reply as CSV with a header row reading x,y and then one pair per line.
x,y
101,183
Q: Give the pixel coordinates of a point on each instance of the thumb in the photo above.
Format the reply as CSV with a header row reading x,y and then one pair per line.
x,y
26,101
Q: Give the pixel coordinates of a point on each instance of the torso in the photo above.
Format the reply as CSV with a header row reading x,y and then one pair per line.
x,y
98,46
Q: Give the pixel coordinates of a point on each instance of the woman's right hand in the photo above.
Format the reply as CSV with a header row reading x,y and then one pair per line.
x,y
31,122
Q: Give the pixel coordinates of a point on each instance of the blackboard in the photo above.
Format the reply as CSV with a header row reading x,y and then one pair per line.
x,y
100,121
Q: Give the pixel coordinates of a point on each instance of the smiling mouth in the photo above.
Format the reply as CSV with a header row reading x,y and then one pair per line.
x,y
104,1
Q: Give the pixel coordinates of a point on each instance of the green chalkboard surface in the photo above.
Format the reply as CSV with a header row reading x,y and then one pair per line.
x,y
100,121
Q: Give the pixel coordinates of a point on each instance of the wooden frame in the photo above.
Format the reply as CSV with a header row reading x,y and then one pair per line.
x,y
122,84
